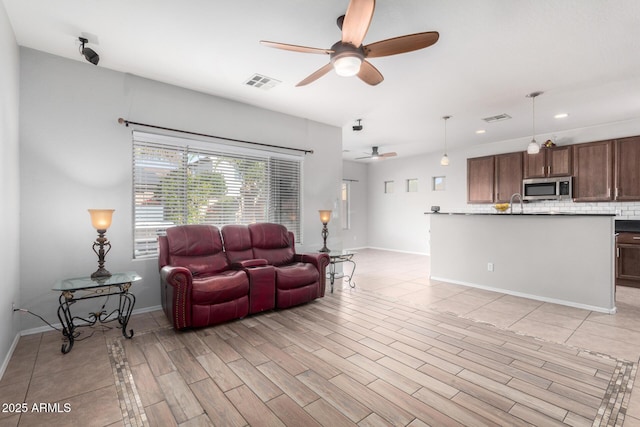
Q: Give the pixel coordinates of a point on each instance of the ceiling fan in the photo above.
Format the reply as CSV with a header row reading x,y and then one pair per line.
x,y
348,55
375,155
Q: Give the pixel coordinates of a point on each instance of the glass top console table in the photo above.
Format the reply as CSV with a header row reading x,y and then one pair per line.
x,y
339,257
83,288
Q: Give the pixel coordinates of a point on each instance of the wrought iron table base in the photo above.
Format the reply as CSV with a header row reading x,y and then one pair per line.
x,y
122,314
339,259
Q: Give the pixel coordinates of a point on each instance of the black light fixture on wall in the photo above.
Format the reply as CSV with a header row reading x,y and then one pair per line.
x,y
88,53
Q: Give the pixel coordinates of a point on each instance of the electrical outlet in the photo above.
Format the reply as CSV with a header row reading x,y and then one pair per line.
x,y
490,266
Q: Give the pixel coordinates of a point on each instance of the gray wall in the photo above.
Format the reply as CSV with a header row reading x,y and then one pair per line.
x,y
561,259
356,236
74,156
9,185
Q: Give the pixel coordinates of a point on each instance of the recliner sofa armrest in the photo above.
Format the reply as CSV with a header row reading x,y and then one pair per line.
x,y
177,283
248,263
320,261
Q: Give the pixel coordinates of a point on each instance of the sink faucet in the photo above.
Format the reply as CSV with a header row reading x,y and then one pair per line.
x,y
513,196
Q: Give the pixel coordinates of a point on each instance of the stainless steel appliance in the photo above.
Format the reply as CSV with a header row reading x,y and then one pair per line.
x,y
556,188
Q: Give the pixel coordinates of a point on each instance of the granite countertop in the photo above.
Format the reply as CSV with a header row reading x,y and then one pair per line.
x,y
551,213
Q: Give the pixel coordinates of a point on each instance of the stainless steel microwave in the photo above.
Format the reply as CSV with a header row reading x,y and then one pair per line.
x,y
557,188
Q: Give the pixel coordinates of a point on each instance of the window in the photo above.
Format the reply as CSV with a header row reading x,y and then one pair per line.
x,y
438,183
178,181
388,186
345,210
412,185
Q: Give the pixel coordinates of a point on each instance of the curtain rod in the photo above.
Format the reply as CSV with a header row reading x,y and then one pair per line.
x,y
128,122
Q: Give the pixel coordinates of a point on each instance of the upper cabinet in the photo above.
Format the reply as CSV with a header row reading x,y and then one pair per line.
x,y
508,177
602,171
593,171
627,171
480,172
549,162
494,178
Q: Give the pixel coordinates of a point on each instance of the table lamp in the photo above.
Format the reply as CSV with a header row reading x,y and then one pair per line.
x,y
101,220
325,217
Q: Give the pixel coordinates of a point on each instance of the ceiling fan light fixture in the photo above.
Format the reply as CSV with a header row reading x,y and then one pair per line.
x,y
347,66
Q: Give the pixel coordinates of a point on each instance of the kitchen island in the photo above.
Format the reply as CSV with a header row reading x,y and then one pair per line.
x,y
560,258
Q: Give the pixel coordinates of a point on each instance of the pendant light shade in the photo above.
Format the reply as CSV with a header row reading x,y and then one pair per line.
x,y
533,147
444,161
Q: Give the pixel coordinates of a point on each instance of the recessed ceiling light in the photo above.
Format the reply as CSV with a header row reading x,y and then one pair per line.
x,y
479,131
561,115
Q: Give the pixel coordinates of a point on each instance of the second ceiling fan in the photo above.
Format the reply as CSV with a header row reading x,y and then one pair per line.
x,y
375,155
348,55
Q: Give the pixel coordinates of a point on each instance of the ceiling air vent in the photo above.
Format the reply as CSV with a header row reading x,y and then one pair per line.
x,y
498,118
262,82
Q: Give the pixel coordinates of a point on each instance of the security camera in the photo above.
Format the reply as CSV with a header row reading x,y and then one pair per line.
x,y
358,127
88,53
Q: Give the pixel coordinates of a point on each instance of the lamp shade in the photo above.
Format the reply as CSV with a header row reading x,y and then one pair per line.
x,y
101,218
325,216
444,161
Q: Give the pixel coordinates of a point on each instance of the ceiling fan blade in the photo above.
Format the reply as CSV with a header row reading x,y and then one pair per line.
x,y
370,74
362,158
401,44
391,154
357,20
296,48
316,75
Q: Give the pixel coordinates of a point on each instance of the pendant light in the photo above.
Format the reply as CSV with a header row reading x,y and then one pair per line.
x,y
444,161
533,147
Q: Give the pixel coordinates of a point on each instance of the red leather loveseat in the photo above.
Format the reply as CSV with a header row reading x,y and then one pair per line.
x,y
204,282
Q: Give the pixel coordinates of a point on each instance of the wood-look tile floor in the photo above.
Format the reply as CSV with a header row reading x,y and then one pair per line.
x,y
397,349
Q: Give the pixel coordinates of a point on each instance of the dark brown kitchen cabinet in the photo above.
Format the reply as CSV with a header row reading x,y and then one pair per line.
x,y
627,162
628,259
593,171
508,176
480,176
556,161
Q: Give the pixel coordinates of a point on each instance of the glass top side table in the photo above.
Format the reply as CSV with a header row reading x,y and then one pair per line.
x,y
88,288
339,257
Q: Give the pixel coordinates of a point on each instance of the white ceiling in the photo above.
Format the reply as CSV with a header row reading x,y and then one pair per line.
x,y
584,54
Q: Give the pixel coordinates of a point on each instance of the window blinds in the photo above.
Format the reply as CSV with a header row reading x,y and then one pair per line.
x,y
179,181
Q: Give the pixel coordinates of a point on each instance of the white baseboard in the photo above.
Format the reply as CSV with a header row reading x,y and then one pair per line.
x,y
397,250
5,363
529,296
47,328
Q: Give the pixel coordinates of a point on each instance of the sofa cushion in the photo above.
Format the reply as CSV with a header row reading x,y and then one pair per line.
x,y
196,247
271,242
237,243
221,287
296,275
